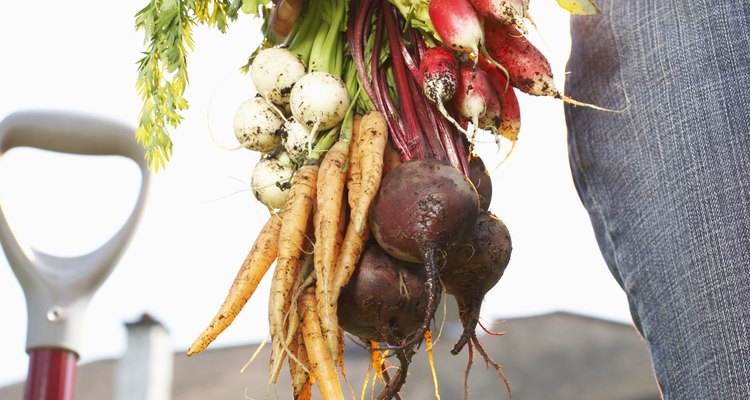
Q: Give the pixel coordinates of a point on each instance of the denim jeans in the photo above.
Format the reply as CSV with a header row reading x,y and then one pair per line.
x,y
666,180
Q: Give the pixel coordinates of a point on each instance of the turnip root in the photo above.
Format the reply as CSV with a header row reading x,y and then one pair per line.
x,y
473,268
295,138
320,100
422,207
256,123
274,71
270,181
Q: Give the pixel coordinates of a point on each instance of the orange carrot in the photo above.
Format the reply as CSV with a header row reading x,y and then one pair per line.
x,y
303,279
259,259
297,211
301,383
330,196
354,174
373,134
321,363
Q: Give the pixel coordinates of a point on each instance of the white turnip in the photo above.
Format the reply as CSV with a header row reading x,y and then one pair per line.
x,y
295,138
270,181
274,71
320,100
256,125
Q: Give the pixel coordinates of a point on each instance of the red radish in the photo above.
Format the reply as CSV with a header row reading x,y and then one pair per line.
x,y
438,71
510,112
527,68
457,24
459,27
508,12
477,100
422,207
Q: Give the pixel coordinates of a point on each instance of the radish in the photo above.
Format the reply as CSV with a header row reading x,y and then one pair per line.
x,y
459,27
438,71
474,267
526,67
319,100
510,112
457,24
274,71
271,179
477,100
422,207
508,12
256,123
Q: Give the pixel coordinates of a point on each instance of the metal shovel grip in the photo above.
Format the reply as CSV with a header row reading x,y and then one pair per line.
x,y
58,289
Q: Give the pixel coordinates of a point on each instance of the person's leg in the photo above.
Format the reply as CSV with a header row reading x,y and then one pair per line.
x,y
666,182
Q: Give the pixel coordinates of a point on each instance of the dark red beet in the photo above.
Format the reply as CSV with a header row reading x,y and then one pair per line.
x,y
481,180
422,204
422,207
472,269
385,300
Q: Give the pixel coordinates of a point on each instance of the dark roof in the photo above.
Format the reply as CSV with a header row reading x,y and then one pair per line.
x,y
556,356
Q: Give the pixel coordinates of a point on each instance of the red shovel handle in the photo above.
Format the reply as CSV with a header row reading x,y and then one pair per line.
x,y
52,374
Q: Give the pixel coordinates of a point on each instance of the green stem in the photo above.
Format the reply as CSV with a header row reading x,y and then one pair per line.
x,y
324,143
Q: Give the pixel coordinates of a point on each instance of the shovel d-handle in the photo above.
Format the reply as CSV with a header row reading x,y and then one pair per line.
x,y
59,289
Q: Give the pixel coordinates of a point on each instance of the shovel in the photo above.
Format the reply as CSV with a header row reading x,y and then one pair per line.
x,y
58,289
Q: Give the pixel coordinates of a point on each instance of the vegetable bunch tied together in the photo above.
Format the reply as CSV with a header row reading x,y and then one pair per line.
x,y
366,116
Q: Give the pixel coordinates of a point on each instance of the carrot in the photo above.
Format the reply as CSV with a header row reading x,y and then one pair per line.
x,y
373,134
259,259
301,383
321,363
354,241
297,212
330,195
354,173
302,279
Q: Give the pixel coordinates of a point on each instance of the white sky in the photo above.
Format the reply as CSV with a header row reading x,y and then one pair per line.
x,y
200,220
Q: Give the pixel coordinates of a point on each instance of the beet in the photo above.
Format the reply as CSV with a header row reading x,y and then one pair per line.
x,y
422,207
473,268
481,180
385,300
422,204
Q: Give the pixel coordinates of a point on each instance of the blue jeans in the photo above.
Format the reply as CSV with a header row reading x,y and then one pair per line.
x,y
666,182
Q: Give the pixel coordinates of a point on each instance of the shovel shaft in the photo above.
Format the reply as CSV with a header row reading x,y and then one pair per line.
x,y
52,374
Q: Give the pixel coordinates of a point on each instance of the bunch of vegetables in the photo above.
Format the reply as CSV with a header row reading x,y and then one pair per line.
x,y
366,116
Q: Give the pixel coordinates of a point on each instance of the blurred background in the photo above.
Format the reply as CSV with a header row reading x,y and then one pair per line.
x,y
201,218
